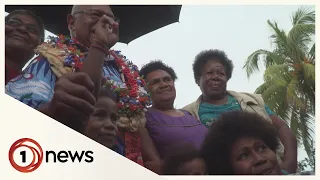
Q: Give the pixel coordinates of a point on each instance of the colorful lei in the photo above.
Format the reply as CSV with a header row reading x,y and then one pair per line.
x,y
133,99
67,55
75,53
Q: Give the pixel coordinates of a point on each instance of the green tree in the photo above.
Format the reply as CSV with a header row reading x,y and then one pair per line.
x,y
308,162
289,78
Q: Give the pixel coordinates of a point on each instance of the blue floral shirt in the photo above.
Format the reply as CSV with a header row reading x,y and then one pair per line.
x,y
35,85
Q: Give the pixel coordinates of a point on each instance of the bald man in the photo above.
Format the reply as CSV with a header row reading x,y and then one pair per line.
x,y
70,98
83,24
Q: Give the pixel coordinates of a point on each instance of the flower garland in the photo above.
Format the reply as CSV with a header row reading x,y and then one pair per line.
x,y
133,99
75,53
67,55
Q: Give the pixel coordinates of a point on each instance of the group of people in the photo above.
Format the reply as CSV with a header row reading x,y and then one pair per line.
x,y
221,133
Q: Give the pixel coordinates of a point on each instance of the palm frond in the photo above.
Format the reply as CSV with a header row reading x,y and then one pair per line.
x,y
298,52
307,82
305,126
303,21
269,58
279,37
275,97
303,16
282,109
281,42
277,102
293,97
269,92
251,64
300,34
278,74
306,90
274,58
294,124
302,30
309,73
312,54
265,86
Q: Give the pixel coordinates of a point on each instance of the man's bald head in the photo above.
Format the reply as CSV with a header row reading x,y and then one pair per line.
x,y
77,8
82,23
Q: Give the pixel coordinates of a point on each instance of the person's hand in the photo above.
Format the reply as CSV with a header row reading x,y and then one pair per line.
x,y
73,101
106,32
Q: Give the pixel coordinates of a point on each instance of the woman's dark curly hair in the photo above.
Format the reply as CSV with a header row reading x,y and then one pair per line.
x,y
226,131
31,14
157,65
211,55
177,156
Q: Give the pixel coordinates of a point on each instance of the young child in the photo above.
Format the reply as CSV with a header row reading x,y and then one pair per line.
x,y
184,160
102,126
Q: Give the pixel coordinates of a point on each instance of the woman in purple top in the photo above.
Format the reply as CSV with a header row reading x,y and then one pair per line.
x,y
165,126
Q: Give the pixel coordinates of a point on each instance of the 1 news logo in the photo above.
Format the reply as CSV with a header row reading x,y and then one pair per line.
x,y
26,155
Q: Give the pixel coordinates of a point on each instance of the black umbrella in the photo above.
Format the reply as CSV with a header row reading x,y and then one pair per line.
x,y
135,20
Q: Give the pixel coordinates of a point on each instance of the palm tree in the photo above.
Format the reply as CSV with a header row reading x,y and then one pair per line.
x,y
289,78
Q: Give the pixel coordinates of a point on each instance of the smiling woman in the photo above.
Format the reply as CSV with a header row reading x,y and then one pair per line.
x,y
24,31
165,126
212,70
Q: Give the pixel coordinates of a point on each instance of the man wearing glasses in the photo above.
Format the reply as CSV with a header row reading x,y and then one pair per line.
x,y
24,31
69,97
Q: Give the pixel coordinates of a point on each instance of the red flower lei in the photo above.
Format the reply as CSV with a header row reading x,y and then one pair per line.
x,y
133,103
133,99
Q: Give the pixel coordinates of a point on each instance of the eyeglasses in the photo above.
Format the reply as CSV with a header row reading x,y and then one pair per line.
x,y
94,13
17,23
